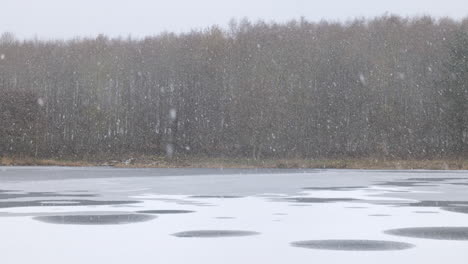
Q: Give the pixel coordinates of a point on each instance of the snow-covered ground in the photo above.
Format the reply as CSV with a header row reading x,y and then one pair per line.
x,y
106,215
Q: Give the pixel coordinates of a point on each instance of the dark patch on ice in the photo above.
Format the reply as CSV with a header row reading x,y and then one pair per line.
x,y
459,204
56,203
319,200
396,191
460,183
437,203
12,204
420,171
405,184
435,179
423,203
439,233
425,212
165,211
458,209
342,188
215,233
53,213
353,245
16,195
380,215
6,191
217,196
95,219
356,207
225,217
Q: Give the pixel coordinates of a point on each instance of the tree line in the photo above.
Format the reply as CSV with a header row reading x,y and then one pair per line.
x,y
387,87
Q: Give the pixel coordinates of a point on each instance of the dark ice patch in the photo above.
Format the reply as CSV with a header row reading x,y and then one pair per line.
x,y
396,191
435,179
459,183
16,195
437,203
53,213
459,204
12,204
95,219
425,212
319,200
165,211
420,171
405,184
225,217
56,203
215,233
353,245
6,191
379,215
216,196
439,233
458,209
342,188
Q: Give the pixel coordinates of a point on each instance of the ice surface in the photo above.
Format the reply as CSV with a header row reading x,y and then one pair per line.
x,y
107,215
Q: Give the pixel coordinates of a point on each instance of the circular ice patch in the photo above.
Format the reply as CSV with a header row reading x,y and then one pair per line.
x,y
352,245
380,215
440,233
106,219
215,233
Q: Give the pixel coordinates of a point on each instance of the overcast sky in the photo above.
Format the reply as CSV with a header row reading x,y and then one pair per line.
x,y
70,18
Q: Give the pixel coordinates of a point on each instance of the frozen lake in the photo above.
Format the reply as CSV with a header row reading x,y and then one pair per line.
x,y
107,215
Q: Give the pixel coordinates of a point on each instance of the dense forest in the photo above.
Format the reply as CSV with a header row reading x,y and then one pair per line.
x,y
387,87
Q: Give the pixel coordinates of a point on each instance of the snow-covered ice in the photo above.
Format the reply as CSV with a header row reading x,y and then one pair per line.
x,y
107,215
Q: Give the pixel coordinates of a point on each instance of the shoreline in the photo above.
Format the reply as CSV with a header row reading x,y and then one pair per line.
x,y
206,162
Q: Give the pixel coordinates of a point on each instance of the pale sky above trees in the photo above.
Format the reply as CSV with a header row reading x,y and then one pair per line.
x,y
70,18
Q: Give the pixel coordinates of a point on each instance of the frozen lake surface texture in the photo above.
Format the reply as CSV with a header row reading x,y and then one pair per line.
x,y
106,215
